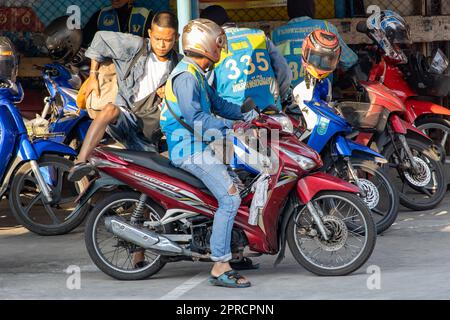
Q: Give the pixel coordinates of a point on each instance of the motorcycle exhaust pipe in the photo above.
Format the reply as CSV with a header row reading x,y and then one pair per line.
x,y
143,238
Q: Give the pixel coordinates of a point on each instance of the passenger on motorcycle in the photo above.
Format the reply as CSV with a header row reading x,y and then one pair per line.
x,y
188,121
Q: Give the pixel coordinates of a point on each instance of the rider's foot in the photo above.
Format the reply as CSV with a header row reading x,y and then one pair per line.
x,y
223,275
81,170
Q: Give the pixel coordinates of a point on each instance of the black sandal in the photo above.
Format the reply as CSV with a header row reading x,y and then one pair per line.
x,y
81,170
229,279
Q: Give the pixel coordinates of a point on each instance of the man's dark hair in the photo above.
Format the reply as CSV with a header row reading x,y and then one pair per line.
x,y
304,8
165,19
215,13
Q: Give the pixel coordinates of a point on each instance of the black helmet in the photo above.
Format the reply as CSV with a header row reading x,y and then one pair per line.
x,y
62,43
9,63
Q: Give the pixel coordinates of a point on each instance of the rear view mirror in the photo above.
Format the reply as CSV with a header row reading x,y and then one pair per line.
x,y
439,63
362,27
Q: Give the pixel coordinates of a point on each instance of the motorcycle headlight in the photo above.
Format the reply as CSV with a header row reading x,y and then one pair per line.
x,y
284,121
304,162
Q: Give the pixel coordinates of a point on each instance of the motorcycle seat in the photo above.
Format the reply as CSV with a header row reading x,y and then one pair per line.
x,y
154,161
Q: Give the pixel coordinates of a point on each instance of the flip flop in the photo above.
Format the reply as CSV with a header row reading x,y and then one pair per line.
x,y
229,279
81,170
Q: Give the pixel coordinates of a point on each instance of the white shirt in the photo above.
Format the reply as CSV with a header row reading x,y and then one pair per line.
x,y
154,71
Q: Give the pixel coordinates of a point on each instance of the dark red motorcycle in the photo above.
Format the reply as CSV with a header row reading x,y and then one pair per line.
x,y
164,214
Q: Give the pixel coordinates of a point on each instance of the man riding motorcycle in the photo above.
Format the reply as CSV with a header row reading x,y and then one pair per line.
x,y
187,120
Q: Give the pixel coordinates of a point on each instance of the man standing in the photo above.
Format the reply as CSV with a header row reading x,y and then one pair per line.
x,y
121,16
289,38
253,66
142,68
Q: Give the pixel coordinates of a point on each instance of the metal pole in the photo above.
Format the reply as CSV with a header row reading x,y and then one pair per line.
x,y
195,9
184,10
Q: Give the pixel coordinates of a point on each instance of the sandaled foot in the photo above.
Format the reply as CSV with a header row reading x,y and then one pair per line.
x,y
244,264
230,279
81,170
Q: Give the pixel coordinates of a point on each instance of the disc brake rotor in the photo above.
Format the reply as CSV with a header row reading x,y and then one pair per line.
x,y
372,195
338,234
422,177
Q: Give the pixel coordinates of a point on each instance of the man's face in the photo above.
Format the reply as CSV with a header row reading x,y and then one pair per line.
x,y
162,40
119,3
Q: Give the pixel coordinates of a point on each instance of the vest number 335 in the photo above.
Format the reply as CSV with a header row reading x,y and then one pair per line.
x,y
249,67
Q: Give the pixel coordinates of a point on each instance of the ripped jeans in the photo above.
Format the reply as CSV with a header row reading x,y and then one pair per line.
x,y
215,176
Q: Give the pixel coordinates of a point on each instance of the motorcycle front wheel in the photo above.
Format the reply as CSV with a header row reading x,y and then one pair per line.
x,y
27,201
421,189
351,240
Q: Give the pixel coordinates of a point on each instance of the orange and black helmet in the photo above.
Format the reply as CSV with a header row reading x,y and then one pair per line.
x,y
320,53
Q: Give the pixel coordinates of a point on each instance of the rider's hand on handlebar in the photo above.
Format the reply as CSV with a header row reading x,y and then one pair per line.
x,y
237,125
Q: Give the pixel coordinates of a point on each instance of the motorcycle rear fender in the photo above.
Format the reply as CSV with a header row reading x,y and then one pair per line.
x,y
98,184
347,148
311,185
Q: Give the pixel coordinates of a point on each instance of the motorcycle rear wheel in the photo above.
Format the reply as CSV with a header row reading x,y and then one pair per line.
x,y
115,256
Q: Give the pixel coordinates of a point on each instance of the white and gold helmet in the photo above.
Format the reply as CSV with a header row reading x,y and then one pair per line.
x,y
204,37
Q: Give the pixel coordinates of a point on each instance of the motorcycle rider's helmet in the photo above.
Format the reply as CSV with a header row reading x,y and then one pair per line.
x,y
9,61
63,42
321,51
205,38
390,31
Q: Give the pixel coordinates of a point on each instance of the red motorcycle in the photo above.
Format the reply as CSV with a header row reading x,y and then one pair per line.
x,y
413,165
165,214
417,87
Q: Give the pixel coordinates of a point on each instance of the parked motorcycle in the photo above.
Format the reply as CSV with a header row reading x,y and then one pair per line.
x,y
417,84
168,213
414,167
60,114
33,172
323,129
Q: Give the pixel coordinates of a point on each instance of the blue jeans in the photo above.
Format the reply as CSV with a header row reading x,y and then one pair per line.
x,y
128,131
214,175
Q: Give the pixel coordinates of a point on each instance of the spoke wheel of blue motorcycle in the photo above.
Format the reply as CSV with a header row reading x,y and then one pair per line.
x,y
385,207
28,205
352,235
422,190
116,257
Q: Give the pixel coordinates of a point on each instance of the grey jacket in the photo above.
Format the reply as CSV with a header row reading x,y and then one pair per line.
x,y
121,48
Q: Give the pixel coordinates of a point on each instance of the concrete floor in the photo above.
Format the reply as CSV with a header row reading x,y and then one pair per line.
x,y
413,257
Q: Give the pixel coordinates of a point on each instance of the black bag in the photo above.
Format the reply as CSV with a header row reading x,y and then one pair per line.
x,y
148,110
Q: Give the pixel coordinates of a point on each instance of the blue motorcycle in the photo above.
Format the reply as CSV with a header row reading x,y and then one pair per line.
x,y
324,130
34,170
60,114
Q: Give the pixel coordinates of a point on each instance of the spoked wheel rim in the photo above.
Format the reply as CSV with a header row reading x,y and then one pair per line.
x,y
413,185
378,197
30,199
440,134
348,238
119,254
